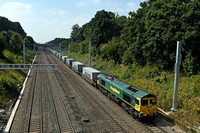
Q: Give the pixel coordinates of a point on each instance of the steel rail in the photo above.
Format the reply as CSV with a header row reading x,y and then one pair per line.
x,y
64,108
55,112
30,111
77,85
146,126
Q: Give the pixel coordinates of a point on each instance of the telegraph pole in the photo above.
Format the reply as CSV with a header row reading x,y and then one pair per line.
x,y
24,54
69,49
90,54
176,78
60,49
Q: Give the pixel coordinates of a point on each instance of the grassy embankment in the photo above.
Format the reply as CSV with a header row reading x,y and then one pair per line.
x,y
161,84
9,79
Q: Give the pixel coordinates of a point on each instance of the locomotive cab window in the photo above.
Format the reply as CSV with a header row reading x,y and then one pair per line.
x,y
127,98
136,101
103,82
153,102
144,102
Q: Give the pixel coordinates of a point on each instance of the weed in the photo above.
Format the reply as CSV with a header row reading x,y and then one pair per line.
x,y
112,63
152,73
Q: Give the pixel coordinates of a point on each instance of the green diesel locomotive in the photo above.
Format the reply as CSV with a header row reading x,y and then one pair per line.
x,y
137,102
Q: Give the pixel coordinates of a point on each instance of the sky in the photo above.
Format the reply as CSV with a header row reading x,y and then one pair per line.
x,y
46,20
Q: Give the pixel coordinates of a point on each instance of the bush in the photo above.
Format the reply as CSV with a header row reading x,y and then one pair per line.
x,y
100,66
127,58
152,73
126,74
8,88
161,79
112,63
189,64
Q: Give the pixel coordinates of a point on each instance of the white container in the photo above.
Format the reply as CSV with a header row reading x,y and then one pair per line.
x,y
90,73
64,58
78,66
58,55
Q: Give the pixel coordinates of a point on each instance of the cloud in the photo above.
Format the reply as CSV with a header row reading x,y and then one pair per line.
x,y
113,4
15,9
57,12
131,6
16,6
80,4
96,1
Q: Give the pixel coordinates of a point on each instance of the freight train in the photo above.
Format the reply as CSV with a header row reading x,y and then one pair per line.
x,y
140,104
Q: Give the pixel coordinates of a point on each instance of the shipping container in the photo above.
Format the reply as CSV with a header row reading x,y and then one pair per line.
x,y
90,73
78,66
64,58
69,61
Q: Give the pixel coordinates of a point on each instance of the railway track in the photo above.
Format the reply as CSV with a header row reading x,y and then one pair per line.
x,y
35,114
41,109
150,126
52,110
62,117
108,119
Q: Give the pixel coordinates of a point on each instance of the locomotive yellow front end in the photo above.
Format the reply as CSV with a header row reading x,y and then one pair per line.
x,y
148,107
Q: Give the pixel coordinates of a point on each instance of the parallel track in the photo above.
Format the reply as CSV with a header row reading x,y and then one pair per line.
x,y
44,92
65,125
34,117
110,122
150,126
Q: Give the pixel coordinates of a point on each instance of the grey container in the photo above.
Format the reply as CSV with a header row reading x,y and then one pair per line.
x,y
78,66
69,61
90,73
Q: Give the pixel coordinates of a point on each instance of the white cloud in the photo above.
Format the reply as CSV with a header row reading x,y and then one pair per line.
x,y
80,4
96,1
57,12
16,6
62,12
14,10
113,4
131,6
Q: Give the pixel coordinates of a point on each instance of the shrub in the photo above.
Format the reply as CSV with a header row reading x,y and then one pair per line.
x,y
161,79
100,66
126,74
152,73
189,64
127,58
112,63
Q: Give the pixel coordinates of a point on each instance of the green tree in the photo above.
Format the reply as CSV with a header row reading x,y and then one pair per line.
x,y
16,42
75,30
